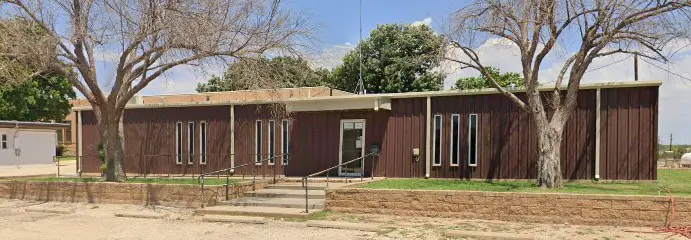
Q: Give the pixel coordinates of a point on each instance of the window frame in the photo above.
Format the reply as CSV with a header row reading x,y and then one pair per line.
x,y
178,143
272,142
477,117
285,141
437,153
457,143
3,141
190,142
258,148
203,134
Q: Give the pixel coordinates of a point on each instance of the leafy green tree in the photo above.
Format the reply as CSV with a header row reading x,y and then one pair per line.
x,y
244,74
28,92
42,98
503,79
395,58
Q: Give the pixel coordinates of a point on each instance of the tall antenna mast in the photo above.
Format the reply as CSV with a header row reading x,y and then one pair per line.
x,y
360,89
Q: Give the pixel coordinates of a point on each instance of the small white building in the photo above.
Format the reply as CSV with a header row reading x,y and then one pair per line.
x,y
24,143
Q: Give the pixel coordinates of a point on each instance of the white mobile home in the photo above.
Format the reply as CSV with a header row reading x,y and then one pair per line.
x,y
24,143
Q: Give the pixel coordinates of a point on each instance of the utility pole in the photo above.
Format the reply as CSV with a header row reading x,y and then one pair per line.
x,y
635,66
670,141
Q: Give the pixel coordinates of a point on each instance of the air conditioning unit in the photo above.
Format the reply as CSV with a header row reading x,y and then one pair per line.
x,y
136,99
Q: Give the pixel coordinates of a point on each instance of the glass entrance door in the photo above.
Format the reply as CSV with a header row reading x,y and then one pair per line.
x,y
352,146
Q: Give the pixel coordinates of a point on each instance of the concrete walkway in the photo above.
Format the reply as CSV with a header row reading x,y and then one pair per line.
x,y
12,171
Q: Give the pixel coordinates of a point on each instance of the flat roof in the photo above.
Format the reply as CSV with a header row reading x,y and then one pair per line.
x,y
443,93
32,125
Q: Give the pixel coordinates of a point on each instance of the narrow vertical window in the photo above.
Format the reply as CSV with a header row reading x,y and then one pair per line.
x,y
67,133
258,142
202,143
285,141
60,133
436,151
472,140
3,141
455,144
190,142
178,143
272,142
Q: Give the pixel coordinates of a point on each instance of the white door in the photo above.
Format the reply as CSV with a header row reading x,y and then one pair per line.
x,y
352,146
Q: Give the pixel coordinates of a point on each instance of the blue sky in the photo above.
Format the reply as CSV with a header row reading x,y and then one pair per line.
x,y
340,19
338,33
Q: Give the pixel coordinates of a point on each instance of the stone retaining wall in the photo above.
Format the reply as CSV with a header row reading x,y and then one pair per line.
x,y
122,193
617,210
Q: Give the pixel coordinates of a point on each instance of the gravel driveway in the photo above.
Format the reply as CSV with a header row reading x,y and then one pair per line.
x,y
91,221
97,221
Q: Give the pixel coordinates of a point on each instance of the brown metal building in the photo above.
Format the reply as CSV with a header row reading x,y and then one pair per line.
x,y
476,134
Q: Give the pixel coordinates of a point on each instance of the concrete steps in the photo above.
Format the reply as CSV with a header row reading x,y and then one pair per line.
x,y
253,211
286,193
285,200
274,202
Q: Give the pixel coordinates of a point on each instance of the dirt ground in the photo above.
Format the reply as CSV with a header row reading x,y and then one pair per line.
x,y
97,221
66,168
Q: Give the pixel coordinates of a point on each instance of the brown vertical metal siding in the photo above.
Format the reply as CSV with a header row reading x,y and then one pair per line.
x,y
507,144
507,141
405,130
628,133
315,139
150,140
246,117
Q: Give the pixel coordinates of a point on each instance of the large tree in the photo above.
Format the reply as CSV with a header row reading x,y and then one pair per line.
x,y
28,93
20,44
395,58
149,38
44,97
507,79
586,30
279,72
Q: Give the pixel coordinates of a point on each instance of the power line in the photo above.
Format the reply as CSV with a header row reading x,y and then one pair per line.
x,y
667,70
609,64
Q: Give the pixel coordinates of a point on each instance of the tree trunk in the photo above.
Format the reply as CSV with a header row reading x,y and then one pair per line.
x,y
113,139
549,155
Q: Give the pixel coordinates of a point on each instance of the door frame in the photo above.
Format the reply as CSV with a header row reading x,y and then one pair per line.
x,y
340,144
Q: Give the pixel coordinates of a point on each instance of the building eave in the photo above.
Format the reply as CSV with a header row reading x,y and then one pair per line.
x,y
383,97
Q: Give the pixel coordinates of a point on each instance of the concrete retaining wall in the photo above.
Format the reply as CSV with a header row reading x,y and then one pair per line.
x,y
122,193
617,210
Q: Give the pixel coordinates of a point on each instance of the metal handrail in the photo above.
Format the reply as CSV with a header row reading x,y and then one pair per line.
x,y
229,171
362,174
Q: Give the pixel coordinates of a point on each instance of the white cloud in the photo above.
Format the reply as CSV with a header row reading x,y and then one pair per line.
x,y
331,57
675,92
183,79
427,21
103,55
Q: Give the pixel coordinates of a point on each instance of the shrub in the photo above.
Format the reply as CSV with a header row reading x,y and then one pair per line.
x,y
60,150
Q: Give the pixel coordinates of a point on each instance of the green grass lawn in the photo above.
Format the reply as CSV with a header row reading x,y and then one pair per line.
x,y
190,181
66,158
676,181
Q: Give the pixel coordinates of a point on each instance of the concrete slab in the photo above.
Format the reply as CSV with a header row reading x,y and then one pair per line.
x,y
367,227
35,170
487,235
253,211
149,215
50,210
235,219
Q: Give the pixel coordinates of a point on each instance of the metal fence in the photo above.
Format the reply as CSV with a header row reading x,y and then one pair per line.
x,y
192,165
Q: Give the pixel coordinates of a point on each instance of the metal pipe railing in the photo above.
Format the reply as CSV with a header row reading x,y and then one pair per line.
x,y
231,170
362,166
